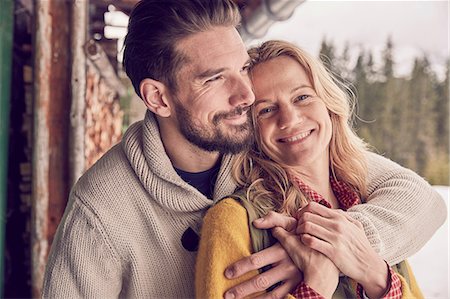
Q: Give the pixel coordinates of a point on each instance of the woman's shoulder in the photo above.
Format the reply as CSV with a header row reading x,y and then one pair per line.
x,y
225,211
225,223
227,204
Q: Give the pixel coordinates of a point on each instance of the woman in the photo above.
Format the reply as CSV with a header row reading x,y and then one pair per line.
x,y
305,152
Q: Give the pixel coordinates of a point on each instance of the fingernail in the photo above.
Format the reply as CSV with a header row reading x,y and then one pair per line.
x,y
259,220
229,295
229,274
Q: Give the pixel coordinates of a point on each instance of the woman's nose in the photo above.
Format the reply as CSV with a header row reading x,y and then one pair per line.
x,y
288,117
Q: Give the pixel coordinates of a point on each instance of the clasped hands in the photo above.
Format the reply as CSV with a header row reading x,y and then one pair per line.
x,y
313,247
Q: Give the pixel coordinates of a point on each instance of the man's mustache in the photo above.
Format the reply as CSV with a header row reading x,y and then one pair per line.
x,y
238,111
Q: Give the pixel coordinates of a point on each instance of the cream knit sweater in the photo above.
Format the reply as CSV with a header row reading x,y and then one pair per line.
x,y
120,234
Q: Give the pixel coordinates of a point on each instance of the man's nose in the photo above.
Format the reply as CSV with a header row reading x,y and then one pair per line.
x,y
242,92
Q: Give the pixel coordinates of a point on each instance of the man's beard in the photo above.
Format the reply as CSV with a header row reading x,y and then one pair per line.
x,y
213,138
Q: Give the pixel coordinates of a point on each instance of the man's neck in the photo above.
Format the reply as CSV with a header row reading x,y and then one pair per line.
x,y
183,154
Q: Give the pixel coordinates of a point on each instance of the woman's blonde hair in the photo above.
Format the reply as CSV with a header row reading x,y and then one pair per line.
x,y
268,183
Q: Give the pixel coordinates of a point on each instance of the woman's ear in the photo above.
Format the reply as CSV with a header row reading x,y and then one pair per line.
x,y
153,94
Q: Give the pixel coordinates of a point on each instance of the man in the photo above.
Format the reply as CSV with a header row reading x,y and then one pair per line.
x,y
130,226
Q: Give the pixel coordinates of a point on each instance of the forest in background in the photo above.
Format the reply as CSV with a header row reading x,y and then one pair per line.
x,y
403,118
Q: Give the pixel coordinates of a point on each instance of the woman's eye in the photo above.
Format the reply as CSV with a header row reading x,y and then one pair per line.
x,y
265,111
303,97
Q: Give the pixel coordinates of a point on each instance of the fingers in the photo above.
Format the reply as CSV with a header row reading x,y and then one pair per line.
x,y
325,230
335,221
263,281
319,227
319,245
318,209
256,261
292,244
282,290
274,219
288,240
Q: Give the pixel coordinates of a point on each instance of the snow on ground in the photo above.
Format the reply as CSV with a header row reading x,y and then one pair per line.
x,y
431,263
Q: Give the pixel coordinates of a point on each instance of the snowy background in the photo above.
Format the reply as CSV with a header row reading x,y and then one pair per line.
x,y
431,263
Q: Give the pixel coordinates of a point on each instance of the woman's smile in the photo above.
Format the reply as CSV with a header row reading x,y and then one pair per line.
x,y
296,138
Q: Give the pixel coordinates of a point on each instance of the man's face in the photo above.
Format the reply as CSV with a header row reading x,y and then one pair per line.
x,y
214,91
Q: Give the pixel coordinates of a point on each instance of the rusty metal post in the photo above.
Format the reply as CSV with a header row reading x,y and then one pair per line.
x,y
50,139
78,89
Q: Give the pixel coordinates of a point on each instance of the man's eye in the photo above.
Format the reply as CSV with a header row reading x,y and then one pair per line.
x,y
212,79
245,68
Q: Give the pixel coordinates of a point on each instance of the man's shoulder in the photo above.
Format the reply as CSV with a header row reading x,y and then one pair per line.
x,y
378,164
111,163
107,178
110,192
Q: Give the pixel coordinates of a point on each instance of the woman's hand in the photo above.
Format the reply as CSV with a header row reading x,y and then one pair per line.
x,y
319,272
343,241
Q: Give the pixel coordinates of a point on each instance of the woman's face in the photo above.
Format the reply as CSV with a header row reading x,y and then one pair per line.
x,y
293,122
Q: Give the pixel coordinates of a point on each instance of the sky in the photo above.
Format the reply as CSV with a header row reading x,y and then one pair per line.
x,y
416,27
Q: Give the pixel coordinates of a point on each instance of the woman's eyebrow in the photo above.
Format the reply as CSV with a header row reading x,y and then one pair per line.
x,y
300,87
261,101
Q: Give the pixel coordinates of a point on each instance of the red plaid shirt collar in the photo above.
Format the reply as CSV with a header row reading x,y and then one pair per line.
x,y
345,195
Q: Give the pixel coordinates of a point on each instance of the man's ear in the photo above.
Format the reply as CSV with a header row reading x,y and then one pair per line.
x,y
154,95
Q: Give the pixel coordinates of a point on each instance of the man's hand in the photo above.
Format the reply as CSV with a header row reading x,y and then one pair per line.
x,y
283,270
319,272
342,240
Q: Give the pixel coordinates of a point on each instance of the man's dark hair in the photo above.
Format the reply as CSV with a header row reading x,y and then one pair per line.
x,y
156,26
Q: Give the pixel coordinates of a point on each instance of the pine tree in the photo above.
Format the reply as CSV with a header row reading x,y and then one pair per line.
x,y
388,68
442,112
423,97
327,55
370,68
361,85
384,115
437,168
407,119
343,64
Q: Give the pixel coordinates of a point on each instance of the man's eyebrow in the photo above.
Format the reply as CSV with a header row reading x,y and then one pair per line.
x,y
209,73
